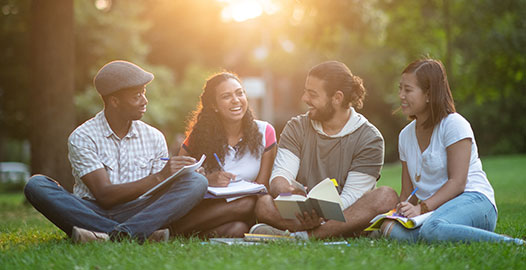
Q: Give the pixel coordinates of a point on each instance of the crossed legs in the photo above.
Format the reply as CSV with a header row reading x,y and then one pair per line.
x,y
216,217
469,217
138,218
358,215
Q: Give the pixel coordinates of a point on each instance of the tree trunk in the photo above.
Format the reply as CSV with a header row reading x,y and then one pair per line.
x,y
51,95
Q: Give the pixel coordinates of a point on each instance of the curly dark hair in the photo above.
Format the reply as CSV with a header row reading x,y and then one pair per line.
x,y
205,131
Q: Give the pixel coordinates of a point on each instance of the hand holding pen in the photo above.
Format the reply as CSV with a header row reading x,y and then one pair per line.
x,y
219,178
411,195
407,209
175,163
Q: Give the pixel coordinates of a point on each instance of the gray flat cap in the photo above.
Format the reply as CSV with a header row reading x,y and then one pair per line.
x,y
117,75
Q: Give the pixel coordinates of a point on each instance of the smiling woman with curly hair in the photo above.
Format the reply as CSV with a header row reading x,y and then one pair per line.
x,y
224,125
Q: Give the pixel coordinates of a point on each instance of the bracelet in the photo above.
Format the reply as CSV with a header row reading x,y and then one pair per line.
x,y
423,208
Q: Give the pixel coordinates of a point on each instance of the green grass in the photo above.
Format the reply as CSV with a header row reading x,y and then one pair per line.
x,y
29,241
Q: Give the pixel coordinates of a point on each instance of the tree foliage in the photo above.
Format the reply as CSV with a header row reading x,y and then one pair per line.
x,y
182,42
491,73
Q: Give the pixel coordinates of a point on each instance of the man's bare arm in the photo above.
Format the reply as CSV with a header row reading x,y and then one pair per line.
x,y
281,185
108,195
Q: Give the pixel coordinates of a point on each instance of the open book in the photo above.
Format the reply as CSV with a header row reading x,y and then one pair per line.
x,y
236,189
184,170
323,198
410,223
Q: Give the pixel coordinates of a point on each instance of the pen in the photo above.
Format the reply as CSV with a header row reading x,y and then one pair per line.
x,y
219,162
406,200
222,168
165,158
411,195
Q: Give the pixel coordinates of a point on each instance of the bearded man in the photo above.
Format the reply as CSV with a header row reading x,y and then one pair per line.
x,y
331,140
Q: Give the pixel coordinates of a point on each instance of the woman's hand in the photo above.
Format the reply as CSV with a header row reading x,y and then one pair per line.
x,y
408,210
220,178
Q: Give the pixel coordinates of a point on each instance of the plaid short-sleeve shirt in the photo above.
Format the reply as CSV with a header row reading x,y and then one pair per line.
x,y
93,146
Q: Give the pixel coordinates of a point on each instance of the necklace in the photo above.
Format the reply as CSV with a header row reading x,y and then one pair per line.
x,y
418,170
424,133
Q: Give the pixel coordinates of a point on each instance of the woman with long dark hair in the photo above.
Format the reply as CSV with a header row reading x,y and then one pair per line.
x,y
440,158
224,125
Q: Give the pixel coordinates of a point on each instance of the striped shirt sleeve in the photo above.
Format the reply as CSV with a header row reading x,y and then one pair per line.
x,y
82,155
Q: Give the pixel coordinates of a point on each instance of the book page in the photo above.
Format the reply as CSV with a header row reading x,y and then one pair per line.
x,y
293,197
326,191
240,187
289,205
418,220
409,223
184,170
298,185
327,209
381,216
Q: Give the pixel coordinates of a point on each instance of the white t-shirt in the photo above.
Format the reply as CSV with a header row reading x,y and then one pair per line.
x,y
431,164
246,166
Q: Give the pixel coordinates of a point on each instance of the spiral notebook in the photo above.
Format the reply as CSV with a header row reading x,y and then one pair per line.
x,y
410,223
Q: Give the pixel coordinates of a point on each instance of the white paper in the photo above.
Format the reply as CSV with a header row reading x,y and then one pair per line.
x,y
237,188
184,170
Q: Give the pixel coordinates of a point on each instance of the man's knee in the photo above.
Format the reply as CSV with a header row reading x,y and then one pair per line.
x,y
198,183
38,187
263,205
388,194
385,198
35,184
244,207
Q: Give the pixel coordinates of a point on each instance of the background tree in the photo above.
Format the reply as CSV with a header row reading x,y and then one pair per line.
x,y
491,72
14,78
51,93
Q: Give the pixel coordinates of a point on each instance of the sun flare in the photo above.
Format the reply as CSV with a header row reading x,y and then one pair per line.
x,y
242,10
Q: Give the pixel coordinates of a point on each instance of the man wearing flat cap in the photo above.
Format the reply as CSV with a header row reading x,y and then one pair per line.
x,y
116,158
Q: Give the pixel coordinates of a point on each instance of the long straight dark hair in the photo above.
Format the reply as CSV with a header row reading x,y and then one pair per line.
x,y
432,79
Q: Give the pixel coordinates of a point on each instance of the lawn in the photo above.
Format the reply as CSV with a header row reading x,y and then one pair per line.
x,y
29,241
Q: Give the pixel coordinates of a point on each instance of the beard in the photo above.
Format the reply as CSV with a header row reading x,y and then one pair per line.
x,y
323,114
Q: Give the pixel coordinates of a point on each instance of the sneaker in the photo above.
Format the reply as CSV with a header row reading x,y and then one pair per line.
x,y
159,236
79,235
262,228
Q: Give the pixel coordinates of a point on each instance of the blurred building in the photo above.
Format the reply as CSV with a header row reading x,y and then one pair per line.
x,y
11,172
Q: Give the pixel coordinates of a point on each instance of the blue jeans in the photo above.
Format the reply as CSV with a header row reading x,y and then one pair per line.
x,y
137,218
469,217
